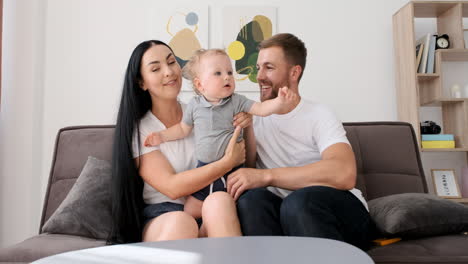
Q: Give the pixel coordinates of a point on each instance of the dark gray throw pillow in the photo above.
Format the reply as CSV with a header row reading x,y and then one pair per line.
x,y
414,215
86,211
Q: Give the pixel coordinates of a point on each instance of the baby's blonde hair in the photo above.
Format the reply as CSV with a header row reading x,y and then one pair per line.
x,y
191,68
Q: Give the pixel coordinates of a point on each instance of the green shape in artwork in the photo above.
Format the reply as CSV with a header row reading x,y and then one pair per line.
x,y
253,62
250,36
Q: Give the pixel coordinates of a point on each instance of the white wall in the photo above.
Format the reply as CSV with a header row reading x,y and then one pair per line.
x,y
64,61
21,119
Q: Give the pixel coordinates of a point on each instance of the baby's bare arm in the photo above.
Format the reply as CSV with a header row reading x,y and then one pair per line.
x,y
179,131
282,104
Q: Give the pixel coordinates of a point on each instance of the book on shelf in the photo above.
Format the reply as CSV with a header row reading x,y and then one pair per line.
x,y
426,41
437,137
419,51
438,144
431,54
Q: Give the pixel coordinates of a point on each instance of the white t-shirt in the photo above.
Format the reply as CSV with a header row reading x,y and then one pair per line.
x,y
180,153
297,138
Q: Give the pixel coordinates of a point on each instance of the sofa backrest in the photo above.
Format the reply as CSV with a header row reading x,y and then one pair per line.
x,y
387,157
73,145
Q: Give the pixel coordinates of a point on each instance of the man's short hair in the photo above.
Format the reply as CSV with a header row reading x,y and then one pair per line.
x,y
293,48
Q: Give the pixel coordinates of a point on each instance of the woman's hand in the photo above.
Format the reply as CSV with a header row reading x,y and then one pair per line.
x,y
235,152
242,119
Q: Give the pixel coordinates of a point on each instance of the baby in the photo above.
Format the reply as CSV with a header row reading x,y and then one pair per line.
x,y
211,113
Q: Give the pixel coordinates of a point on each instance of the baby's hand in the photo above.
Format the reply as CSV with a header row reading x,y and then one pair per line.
x,y
153,139
287,100
283,93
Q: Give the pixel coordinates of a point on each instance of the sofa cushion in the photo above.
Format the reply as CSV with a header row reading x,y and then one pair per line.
x,y
438,249
44,245
86,210
414,215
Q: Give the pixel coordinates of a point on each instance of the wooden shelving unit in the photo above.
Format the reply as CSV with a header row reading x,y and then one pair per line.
x,y
415,90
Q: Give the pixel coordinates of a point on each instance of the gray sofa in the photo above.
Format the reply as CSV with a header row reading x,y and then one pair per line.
x,y
388,163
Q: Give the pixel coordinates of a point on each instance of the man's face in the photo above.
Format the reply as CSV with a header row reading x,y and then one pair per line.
x,y
273,72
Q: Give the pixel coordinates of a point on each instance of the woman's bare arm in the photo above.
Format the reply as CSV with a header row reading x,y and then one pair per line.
x,y
157,171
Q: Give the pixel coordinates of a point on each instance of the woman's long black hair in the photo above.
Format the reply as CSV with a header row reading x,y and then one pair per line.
x,y
127,185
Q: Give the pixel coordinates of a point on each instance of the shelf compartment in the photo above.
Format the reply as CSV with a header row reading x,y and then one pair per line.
x,y
454,114
427,76
444,149
453,54
428,9
428,88
439,102
453,100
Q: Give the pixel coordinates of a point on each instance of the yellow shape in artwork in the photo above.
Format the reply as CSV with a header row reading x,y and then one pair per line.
x,y
184,43
236,50
265,25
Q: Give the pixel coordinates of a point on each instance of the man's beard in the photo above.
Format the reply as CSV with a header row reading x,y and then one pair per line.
x,y
272,92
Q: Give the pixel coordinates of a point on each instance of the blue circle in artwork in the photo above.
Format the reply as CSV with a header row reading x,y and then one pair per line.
x,y
191,18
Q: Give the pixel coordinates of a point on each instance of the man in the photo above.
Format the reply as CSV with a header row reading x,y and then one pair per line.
x,y
305,159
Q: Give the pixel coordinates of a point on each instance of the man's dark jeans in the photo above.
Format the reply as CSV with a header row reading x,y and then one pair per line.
x,y
315,211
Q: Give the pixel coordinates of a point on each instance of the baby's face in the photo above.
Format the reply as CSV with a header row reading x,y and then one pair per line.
x,y
216,77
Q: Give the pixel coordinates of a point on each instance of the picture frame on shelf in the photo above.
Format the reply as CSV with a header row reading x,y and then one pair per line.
x,y
445,183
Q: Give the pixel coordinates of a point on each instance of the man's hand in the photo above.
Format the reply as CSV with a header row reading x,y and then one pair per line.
x,y
245,179
153,139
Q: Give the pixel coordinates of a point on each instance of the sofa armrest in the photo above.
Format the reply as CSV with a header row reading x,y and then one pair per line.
x,y
45,245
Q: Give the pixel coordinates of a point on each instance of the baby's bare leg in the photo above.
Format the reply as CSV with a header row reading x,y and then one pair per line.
x,y
193,207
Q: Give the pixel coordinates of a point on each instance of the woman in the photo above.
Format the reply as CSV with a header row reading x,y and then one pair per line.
x,y
155,180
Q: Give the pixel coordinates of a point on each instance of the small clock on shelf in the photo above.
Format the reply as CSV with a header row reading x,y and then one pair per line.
x,y
442,42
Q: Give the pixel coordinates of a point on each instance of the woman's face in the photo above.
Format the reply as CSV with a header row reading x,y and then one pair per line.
x,y
160,72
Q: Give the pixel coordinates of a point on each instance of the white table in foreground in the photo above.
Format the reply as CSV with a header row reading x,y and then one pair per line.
x,y
265,249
